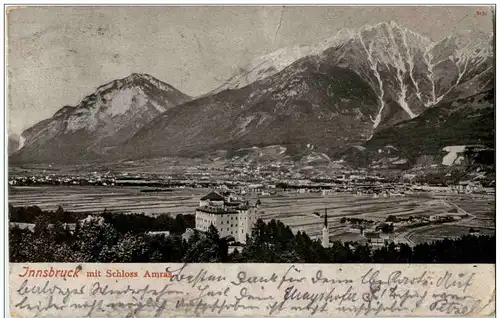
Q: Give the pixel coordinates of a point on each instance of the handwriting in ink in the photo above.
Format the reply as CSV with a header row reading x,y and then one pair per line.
x,y
319,278
288,276
202,276
204,292
243,278
49,289
462,281
104,290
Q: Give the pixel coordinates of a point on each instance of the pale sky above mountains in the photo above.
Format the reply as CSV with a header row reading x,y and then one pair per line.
x,y
58,55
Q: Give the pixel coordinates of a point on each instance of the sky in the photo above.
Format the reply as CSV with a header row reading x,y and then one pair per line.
x,y
59,55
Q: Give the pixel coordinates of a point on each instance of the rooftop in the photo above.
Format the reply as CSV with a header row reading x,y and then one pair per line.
x,y
166,233
213,196
216,210
234,203
372,235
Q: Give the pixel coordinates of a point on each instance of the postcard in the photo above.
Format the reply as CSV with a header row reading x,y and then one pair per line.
x,y
251,160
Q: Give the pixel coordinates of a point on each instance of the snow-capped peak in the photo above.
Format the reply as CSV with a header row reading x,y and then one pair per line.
x,y
274,62
267,65
399,64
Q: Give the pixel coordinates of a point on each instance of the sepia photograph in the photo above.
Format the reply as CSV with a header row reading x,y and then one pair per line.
x,y
251,134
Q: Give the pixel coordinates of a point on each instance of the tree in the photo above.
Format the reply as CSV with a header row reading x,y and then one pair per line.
x,y
362,254
387,228
129,249
59,214
42,241
21,247
339,253
41,225
93,237
179,224
60,233
208,249
391,219
236,257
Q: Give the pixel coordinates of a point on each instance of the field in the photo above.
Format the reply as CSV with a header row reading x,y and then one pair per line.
x,y
295,210
444,231
114,199
480,207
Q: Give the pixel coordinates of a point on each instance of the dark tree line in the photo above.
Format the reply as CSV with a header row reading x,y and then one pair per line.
x,y
139,223
29,215
123,238
136,223
275,243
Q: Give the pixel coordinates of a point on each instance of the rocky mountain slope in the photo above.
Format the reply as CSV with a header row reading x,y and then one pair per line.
x,y
407,71
450,130
13,143
307,103
342,92
100,122
313,101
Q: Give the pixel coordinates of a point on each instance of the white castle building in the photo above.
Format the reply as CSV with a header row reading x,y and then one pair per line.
x,y
230,215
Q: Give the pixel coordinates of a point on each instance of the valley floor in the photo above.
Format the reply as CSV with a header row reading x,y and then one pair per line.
x,y
302,212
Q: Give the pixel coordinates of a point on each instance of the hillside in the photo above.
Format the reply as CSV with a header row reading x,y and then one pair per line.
x,y
307,103
13,143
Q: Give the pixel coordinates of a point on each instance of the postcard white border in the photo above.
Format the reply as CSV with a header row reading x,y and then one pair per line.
x,y
3,173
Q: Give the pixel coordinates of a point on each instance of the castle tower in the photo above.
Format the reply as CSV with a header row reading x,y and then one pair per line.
x,y
247,217
326,236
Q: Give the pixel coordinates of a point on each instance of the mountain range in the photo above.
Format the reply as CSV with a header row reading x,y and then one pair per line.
x,y
345,98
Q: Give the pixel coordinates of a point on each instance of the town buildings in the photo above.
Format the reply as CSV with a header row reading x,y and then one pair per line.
x,y
467,187
230,215
375,239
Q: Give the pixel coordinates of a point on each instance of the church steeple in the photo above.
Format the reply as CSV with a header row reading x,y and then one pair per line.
x,y
326,235
326,220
